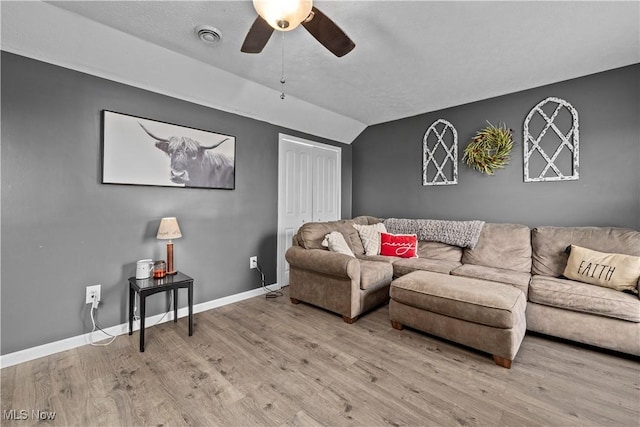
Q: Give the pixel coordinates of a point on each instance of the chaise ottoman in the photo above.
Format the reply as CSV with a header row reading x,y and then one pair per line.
x,y
487,316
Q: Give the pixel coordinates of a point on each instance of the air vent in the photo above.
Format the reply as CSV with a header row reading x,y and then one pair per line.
x,y
208,34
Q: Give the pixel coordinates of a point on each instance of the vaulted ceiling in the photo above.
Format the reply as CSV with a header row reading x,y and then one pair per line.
x,y
410,57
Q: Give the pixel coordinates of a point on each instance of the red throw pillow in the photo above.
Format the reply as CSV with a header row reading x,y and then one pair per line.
x,y
401,245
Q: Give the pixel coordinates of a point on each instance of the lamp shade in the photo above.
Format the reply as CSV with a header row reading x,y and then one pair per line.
x,y
169,229
283,15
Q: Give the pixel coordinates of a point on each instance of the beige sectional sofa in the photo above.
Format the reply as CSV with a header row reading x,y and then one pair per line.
x,y
480,302
467,294
578,311
336,282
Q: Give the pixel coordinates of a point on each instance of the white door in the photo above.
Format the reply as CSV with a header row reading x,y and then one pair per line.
x,y
325,190
308,190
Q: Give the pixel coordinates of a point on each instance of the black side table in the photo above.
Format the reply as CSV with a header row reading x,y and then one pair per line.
x,y
146,287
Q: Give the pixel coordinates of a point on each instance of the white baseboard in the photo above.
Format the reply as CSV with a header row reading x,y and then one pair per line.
x,y
85,339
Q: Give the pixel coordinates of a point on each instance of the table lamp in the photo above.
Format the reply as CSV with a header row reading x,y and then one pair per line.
x,y
169,229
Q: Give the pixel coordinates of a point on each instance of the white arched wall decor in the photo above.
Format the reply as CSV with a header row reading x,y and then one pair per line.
x,y
564,161
440,154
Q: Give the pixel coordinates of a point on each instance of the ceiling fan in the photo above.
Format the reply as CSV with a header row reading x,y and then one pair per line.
x,y
286,15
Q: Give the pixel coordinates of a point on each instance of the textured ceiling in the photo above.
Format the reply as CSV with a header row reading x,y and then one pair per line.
x,y
410,57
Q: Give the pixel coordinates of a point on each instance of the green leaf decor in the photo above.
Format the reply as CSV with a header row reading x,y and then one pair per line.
x,y
490,149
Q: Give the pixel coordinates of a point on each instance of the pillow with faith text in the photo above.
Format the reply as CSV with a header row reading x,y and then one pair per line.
x,y
616,271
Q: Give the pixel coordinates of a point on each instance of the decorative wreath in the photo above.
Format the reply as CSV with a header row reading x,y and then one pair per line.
x,y
490,149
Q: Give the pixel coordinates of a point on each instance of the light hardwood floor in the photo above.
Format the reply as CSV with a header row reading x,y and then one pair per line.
x,y
268,362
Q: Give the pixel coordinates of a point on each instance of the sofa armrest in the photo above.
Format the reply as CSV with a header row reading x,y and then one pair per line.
x,y
323,261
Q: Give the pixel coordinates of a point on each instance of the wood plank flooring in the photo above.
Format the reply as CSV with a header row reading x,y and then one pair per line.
x,y
267,362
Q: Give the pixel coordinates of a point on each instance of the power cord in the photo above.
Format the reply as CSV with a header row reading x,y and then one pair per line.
x,y
94,307
96,327
135,308
270,293
168,309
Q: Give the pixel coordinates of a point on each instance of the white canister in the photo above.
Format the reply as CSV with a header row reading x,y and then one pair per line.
x,y
144,268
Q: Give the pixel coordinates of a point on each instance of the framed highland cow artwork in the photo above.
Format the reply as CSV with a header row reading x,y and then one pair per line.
x,y
142,151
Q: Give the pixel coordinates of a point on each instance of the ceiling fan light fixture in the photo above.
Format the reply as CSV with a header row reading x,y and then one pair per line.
x,y
283,15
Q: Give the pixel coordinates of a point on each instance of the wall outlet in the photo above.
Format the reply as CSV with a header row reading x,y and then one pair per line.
x,y
253,262
93,292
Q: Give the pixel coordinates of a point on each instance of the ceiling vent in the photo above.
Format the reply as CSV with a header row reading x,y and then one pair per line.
x,y
209,34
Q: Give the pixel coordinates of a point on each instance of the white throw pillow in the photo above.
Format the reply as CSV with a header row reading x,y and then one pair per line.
x,y
370,236
336,243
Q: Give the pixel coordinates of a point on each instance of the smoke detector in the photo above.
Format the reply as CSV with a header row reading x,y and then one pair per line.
x,y
209,34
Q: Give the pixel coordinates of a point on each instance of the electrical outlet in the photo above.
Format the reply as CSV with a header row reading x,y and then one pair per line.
x,y
253,262
93,292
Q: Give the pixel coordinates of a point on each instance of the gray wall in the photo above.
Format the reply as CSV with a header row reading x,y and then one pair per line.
x,y
62,229
387,161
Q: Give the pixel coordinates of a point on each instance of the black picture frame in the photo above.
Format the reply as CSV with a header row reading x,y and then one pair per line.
x,y
141,151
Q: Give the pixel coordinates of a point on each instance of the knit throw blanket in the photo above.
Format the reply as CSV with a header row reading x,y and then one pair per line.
x,y
457,233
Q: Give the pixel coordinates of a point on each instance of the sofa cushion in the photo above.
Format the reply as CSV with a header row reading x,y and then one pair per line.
x,y
366,220
506,246
370,236
379,258
354,238
437,250
549,244
585,298
374,274
402,266
515,278
335,242
478,301
615,271
311,234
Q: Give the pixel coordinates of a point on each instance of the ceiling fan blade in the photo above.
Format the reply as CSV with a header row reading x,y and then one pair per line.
x,y
257,37
328,33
